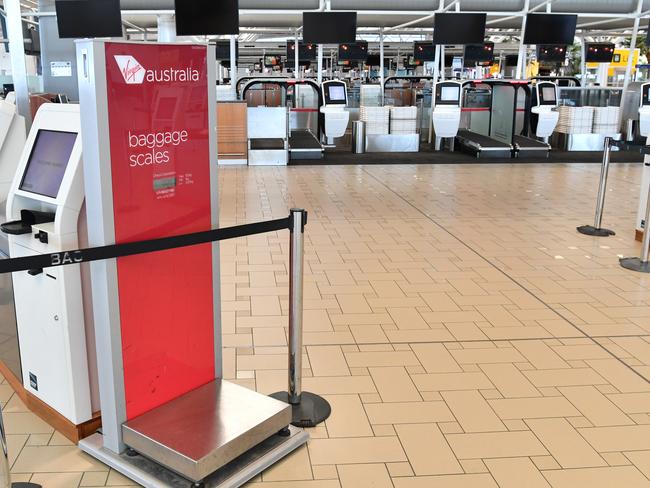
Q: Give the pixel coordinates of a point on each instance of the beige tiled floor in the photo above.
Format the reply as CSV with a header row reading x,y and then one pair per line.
x,y
464,333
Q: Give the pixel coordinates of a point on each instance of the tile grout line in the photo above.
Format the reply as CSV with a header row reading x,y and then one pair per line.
x,y
514,280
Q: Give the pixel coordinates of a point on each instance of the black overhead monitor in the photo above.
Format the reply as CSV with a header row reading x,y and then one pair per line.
x,y
599,52
355,51
424,51
478,54
47,162
88,18
207,17
328,27
550,28
551,53
457,28
223,50
306,52
447,94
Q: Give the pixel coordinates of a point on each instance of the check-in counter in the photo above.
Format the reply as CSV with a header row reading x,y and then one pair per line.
x,y
232,132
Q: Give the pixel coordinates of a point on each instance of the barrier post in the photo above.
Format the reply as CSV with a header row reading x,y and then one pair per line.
x,y
596,229
5,469
309,409
641,264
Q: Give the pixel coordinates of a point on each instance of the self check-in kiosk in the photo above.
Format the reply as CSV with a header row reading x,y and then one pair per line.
x,y
42,216
12,141
335,102
168,415
644,130
544,110
446,110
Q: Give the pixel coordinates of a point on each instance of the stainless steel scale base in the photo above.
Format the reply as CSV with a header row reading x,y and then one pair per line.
x,y
221,434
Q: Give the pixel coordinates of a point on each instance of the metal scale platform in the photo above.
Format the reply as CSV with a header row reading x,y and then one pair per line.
x,y
221,434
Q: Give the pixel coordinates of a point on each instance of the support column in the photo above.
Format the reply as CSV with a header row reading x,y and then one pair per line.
x,y
583,61
18,64
521,58
233,65
320,64
381,63
166,28
296,57
55,50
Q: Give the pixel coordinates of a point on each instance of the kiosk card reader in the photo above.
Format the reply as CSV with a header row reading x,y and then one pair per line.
x,y
335,101
12,141
43,207
446,110
545,114
644,129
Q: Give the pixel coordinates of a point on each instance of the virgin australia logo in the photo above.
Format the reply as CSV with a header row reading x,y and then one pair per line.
x,y
131,70
135,74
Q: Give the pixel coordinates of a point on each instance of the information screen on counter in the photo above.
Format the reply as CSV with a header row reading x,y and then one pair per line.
x,y
48,162
548,94
450,94
337,93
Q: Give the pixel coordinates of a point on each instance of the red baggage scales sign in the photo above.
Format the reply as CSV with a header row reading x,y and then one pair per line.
x,y
160,161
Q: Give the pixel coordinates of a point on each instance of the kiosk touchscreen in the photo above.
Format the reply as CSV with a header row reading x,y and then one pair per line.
x,y
12,141
335,101
446,110
544,111
43,208
644,130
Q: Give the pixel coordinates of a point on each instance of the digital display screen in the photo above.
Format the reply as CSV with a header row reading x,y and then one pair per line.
x,y
47,162
548,94
550,28
88,18
599,52
480,53
328,27
206,17
306,52
357,51
455,28
555,54
424,51
223,50
450,93
270,61
337,93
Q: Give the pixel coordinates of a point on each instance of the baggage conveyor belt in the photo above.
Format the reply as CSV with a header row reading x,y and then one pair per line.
x,y
525,146
304,145
479,145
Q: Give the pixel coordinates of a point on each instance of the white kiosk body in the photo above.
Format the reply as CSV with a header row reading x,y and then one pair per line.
x,y
43,209
12,142
644,129
545,109
335,101
446,110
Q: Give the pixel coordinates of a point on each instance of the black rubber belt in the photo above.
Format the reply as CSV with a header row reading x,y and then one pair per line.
x,y
140,247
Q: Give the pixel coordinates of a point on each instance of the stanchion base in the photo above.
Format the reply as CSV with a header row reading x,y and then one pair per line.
x,y
25,485
635,264
590,230
311,411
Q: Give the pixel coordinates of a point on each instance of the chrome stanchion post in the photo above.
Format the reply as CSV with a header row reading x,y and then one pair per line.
x,y
641,264
309,409
296,264
596,229
5,469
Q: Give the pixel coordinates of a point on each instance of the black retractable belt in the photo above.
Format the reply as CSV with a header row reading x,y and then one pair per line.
x,y
140,247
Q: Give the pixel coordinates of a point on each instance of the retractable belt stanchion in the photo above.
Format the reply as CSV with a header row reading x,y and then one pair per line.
x,y
308,409
5,469
641,264
596,229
